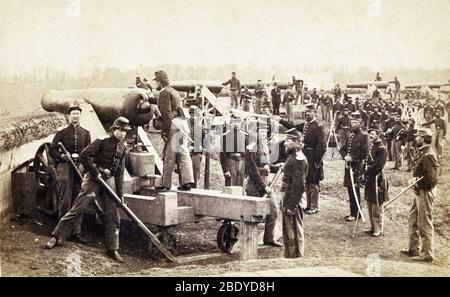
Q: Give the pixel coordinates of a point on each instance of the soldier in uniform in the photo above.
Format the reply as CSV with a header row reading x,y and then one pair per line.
x,y
276,99
343,126
441,132
288,100
232,153
376,187
75,139
293,187
260,92
350,106
354,151
397,135
410,147
397,108
197,135
337,93
387,128
169,105
235,88
338,109
375,116
314,96
378,77
421,214
246,99
257,169
306,96
428,111
104,158
314,148
298,85
447,108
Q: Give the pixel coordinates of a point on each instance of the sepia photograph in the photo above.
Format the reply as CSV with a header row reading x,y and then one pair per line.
x,y
210,140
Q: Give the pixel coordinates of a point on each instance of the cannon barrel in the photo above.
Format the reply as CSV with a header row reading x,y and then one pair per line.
x,y
365,85
189,85
108,103
432,85
252,85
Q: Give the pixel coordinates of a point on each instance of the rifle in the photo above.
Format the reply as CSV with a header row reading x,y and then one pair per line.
x,y
275,178
95,204
403,191
138,222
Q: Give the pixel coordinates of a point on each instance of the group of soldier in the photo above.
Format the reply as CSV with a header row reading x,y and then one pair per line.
x,y
368,132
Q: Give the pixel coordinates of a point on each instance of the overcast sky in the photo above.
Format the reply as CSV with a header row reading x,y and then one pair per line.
x,y
128,33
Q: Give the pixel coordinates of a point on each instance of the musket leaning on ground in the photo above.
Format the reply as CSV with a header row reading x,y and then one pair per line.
x,y
95,204
138,222
402,192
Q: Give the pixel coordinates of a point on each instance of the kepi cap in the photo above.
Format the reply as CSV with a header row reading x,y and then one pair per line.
x,y
161,75
73,106
121,123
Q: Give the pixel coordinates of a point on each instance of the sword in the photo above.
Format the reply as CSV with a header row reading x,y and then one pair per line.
x,y
356,196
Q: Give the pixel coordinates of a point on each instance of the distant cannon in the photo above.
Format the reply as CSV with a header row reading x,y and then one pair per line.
x,y
431,85
281,85
367,84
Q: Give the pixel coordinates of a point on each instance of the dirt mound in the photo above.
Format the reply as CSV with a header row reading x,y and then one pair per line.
x,y
18,130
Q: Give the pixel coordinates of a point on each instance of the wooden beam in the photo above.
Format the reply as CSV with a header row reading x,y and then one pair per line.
x,y
212,100
226,206
248,243
161,210
150,148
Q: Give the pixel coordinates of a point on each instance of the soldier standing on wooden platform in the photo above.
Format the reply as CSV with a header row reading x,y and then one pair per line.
x,y
376,186
74,138
104,158
276,99
235,89
169,105
246,99
293,186
421,214
288,101
257,169
260,92
354,151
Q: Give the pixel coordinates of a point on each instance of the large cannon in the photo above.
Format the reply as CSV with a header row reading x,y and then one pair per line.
x,y
163,210
109,103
